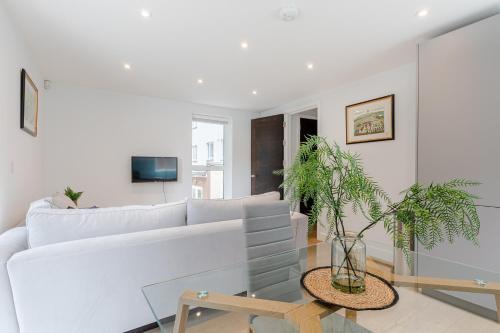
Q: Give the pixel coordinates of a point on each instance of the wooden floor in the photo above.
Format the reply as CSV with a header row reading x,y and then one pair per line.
x,y
414,313
312,237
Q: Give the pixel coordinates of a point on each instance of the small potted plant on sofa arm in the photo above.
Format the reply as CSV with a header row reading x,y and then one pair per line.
x,y
72,195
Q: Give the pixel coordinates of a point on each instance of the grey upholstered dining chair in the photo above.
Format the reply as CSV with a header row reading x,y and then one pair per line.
x,y
273,260
274,266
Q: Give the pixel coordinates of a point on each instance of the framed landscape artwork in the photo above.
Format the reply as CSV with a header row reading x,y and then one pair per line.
x,y
371,120
29,104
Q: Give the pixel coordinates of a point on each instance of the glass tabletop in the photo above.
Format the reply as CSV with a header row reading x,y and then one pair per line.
x,y
422,287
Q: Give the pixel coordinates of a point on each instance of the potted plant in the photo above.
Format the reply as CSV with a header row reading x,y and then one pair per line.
x,y
336,181
72,195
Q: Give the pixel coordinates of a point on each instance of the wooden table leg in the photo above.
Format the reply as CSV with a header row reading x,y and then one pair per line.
x,y
181,318
311,325
351,315
497,299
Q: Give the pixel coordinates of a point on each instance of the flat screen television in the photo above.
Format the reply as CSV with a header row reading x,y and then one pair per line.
x,y
154,169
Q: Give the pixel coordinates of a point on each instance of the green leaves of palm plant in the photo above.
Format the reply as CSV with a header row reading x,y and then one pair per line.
x,y
74,196
436,213
335,179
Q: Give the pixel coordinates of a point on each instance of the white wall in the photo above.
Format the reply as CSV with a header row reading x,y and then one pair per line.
x,y
391,163
20,153
91,135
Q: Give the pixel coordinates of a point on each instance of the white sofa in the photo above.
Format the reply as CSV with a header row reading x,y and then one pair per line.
x,y
58,275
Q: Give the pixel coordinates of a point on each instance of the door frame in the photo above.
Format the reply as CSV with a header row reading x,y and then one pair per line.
x,y
289,114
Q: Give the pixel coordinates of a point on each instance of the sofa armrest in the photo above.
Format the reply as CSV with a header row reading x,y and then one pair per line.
x,y
300,225
95,284
12,241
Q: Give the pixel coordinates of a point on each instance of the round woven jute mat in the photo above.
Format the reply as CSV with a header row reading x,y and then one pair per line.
x,y
379,294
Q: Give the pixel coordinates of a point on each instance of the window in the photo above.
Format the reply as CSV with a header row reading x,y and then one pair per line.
x,y
194,153
210,151
197,192
208,174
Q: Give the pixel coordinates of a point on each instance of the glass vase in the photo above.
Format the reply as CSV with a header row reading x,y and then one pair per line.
x,y
348,263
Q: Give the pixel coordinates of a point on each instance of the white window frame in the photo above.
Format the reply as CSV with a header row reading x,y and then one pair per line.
x,y
199,192
210,151
194,153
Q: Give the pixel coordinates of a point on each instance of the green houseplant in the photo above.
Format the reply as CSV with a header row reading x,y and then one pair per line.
x,y
336,181
72,195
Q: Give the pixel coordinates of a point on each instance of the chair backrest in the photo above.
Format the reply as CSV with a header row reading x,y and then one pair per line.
x,y
273,260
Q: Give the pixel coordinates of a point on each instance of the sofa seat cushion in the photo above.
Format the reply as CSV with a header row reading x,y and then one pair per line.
x,y
213,210
47,226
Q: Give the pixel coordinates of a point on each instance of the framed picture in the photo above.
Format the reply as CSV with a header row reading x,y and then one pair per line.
x,y
371,120
29,104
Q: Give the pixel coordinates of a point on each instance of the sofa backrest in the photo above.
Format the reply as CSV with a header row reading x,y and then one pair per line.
x,y
46,225
210,210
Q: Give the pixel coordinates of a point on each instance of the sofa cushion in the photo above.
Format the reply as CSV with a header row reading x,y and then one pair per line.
x,y
261,198
204,211
11,242
210,210
94,285
41,203
48,226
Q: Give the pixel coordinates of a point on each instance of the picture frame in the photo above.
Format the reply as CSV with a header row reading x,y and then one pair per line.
x,y
370,121
29,104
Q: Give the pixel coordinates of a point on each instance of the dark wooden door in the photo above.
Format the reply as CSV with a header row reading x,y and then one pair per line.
x,y
267,153
308,127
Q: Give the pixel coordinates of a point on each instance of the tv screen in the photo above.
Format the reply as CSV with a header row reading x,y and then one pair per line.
x,y
154,169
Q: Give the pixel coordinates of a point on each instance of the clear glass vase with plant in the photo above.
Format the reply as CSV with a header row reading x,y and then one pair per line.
x,y
335,180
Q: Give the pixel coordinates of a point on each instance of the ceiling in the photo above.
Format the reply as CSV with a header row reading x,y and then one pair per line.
x,y
87,42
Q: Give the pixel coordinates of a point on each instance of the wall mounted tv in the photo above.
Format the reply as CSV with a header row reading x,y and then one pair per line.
x,y
154,169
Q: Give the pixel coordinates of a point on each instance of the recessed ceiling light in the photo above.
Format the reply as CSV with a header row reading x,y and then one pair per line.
x,y
244,45
423,13
310,65
145,13
254,92
127,66
199,81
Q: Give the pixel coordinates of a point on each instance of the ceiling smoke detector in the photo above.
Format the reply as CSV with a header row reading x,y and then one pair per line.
x,y
289,13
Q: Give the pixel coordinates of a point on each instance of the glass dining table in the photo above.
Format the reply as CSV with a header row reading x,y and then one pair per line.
x,y
266,295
